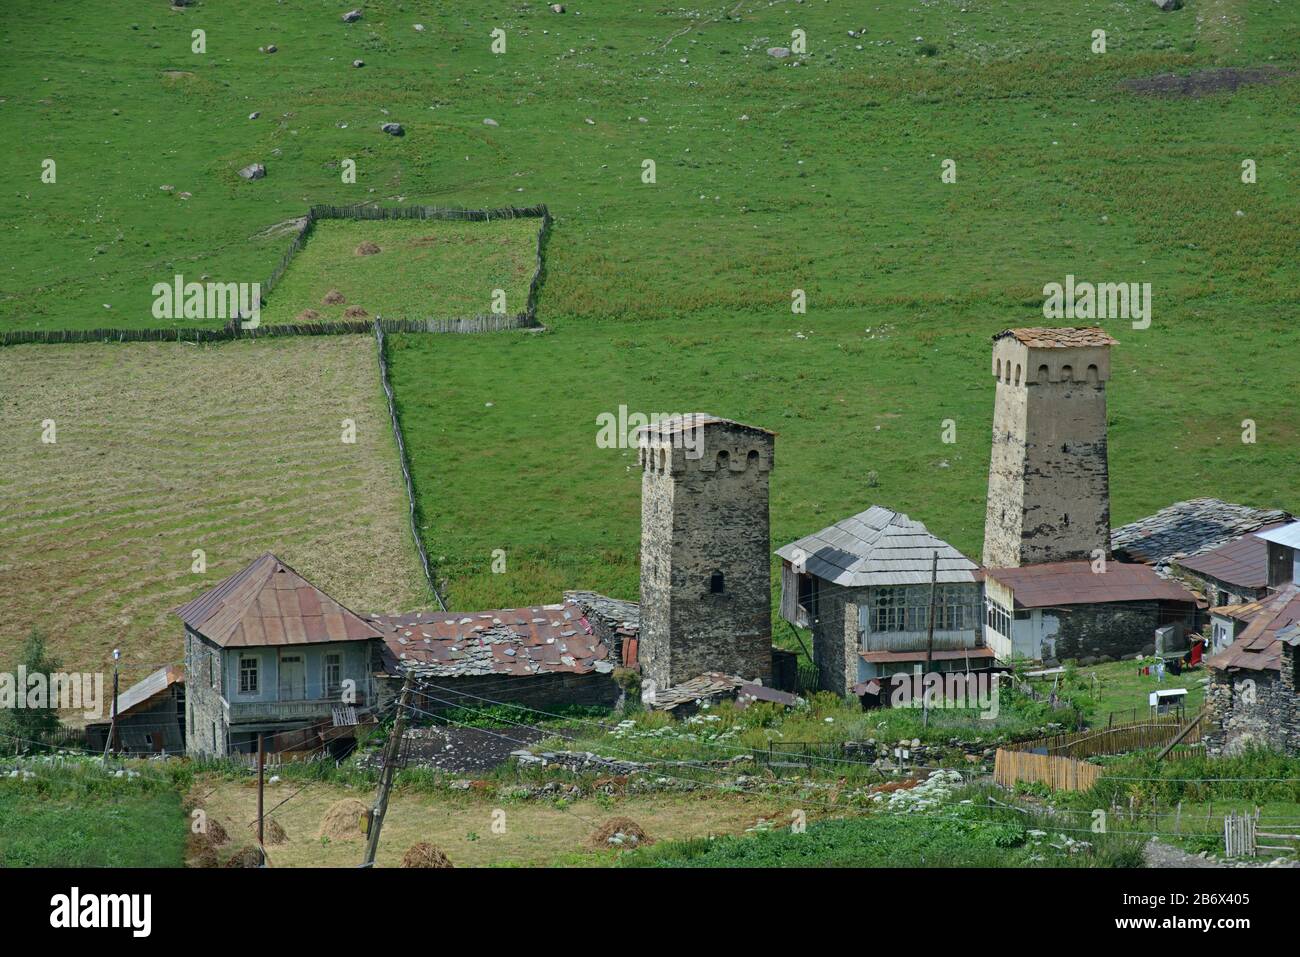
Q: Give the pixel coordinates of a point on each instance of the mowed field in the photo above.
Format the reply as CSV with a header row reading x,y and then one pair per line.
x,y
537,833
424,269
163,448
819,172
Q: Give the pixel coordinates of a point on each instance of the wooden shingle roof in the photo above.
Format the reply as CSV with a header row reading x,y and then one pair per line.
x,y
268,604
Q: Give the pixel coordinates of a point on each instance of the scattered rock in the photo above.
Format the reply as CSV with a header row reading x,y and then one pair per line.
x,y
253,171
425,854
358,63
352,16
418,27
254,115
269,48
1168,5
393,129
490,122
367,249
557,8
779,52
333,298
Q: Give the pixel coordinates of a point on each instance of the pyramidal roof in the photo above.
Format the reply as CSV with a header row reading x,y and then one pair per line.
x,y
268,603
878,547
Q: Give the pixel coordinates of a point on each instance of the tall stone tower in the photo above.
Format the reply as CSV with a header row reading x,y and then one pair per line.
x,y
706,599
1049,486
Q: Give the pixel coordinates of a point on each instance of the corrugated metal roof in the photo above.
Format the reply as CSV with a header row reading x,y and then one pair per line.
x,y
541,639
1243,561
1259,647
1060,338
1075,583
878,547
1288,535
270,604
1189,528
147,688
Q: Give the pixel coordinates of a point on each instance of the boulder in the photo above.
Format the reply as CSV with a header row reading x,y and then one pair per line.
x,y
393,129
1167,5
358,63
253,171
779,52
352,16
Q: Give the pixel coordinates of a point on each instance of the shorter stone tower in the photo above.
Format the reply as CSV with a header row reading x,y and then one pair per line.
x,y
1049,485
706,599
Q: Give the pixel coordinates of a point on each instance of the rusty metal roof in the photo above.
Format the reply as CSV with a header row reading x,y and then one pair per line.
x,y
1062,338
1243,561
269,604
541,639
1189,528
1075,583
1259,647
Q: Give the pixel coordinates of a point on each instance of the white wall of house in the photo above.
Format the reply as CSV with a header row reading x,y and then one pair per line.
x,y
1014,634
353,663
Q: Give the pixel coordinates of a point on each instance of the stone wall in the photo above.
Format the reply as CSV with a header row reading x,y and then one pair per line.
x,y
205,720
1253,709
704,516
1112,630
835,637
543,692
1049,486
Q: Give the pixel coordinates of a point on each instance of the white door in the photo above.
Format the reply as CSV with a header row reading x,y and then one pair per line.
x,y
293,678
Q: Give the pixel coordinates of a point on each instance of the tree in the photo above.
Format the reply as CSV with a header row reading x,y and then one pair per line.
x,y
30,724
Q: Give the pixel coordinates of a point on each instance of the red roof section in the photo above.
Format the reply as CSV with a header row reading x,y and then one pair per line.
x,y
270,604
1075,583
1259,647
1243,561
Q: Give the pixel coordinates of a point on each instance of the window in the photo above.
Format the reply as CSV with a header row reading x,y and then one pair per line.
x,y
248,675
717,584
808,596
333,675
908,608
998,618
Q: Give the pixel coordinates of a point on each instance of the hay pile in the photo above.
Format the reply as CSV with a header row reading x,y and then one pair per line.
x,y
355,312
216,833
308,315
425,854
344,821
274,832
367,249
200,852
333,298
248,856
620,832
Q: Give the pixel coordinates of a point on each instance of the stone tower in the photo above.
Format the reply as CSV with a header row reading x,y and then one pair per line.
x,y
1049,486
706,597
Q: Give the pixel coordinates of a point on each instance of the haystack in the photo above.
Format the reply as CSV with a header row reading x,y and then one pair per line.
x,y
308,315
425,854
248,856
620,832
275,833
355,312
333,298
367,249
216,833
345,821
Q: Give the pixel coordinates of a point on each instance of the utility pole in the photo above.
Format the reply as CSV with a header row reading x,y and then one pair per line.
x,y
386,773
929,641
111,742
261,785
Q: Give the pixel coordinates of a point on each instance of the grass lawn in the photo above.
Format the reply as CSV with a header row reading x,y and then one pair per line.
x,y
161,449
425,269
1119,689
537,833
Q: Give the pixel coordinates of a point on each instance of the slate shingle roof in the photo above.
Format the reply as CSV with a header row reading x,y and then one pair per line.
x,y
878,547
1062,338
1189,528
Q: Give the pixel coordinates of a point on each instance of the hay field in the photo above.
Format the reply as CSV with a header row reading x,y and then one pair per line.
x,y
424,269
164,448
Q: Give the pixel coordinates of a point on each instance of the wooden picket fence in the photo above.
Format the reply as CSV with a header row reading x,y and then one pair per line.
x,y
1058,773
1155,732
